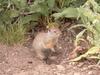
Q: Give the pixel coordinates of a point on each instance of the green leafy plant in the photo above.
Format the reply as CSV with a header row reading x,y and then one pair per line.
x,y
89,15
18,13
29,13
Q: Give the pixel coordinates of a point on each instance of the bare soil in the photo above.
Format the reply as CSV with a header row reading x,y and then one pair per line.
x,y
21,60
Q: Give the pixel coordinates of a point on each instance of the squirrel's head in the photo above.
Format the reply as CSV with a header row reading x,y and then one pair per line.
x,y
55,32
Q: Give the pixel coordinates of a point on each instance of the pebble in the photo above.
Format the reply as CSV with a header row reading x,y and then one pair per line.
x,y
77,73
60,67
90,72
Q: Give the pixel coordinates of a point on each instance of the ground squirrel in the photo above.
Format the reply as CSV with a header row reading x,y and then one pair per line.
x,y
44,42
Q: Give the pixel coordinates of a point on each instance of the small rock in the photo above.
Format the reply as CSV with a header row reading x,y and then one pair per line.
x,y
84,68
60,47
27,73
60,67
77,73
8,70
72,63
90,72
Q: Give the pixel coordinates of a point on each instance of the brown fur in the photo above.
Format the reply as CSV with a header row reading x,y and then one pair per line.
x,y
45,41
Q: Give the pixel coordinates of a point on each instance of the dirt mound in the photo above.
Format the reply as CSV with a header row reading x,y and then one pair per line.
x,y
21,60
